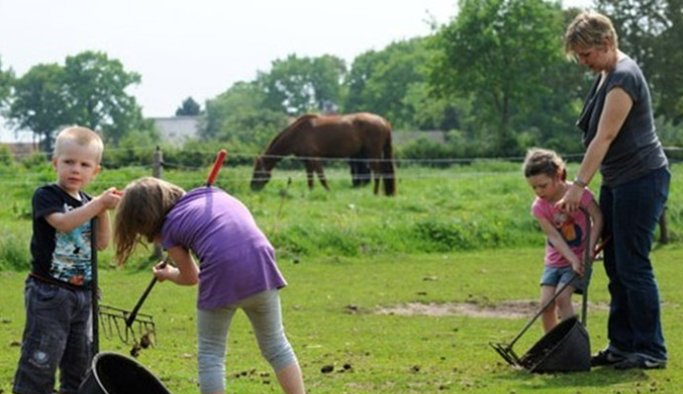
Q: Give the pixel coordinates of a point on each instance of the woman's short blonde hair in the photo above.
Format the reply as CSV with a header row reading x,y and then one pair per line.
x,y
589,29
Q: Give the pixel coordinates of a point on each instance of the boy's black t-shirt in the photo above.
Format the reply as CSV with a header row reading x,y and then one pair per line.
x,y
58,256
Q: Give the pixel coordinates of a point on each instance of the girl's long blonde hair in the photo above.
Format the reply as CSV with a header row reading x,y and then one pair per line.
x,y
141,213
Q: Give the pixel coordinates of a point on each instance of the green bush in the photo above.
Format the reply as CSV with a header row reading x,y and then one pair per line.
x,y
14,252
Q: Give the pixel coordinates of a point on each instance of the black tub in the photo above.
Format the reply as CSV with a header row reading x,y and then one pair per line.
x,y
565,348
113,373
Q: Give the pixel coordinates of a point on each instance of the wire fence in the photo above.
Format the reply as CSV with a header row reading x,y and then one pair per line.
x,y
419,169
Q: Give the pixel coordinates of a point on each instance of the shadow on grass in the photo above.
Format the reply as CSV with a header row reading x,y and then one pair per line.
x,y
597,377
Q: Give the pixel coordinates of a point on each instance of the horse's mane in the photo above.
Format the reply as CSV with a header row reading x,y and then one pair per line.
x,y
293,126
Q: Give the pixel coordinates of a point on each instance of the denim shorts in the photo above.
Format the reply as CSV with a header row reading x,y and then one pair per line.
x,y
57,335
557,277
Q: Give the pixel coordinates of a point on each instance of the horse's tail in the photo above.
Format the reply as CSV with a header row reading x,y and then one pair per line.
x,y
388,172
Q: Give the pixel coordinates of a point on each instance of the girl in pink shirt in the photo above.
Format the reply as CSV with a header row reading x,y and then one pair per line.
x,y
546,173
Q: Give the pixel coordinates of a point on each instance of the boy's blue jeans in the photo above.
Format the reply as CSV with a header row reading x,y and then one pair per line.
x,y
631,212
57,334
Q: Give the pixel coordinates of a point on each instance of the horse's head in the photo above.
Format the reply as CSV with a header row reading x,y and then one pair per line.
x,y
261,174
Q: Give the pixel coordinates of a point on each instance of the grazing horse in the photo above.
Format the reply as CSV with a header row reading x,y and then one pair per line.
x,y
315,137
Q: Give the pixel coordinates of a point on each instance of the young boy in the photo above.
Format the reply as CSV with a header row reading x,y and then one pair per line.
x,y
566,233
58,330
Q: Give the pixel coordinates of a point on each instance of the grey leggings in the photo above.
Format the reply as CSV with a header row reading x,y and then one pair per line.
x,y
265,315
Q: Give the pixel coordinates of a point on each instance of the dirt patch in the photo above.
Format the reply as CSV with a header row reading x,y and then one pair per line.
x,y
502,310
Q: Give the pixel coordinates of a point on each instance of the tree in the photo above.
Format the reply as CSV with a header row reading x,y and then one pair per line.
x,y
651,32
40,102
97,94
393,82
188,108
239,115
6,78
88,90
298,85
499,53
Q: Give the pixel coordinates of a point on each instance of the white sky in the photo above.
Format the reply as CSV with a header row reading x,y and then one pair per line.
x,y
199,48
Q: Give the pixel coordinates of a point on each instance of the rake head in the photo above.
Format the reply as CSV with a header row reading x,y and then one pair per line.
x,y
141,332
507,353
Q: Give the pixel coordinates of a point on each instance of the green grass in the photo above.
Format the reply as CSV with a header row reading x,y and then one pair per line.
x,y
458,235
330,314
472,207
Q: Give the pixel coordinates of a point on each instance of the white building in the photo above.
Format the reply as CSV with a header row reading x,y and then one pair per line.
x,y
178,129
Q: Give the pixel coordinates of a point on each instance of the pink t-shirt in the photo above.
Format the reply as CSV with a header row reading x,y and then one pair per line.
x,y
572,227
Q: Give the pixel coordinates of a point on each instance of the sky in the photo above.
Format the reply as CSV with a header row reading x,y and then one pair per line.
x,y
200,48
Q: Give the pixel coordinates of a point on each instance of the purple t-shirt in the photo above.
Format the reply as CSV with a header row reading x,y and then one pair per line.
x,y
572,227
236,260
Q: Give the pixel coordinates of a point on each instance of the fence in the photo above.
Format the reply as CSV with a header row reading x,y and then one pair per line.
x,y
158,167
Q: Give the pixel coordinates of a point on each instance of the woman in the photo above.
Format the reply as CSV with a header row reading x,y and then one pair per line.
x,y
619,133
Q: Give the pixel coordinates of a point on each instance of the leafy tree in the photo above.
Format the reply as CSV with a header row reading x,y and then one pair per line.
x,y
88,90
499,52
651,32
40,102
298,85
239,115
188,108
393,82
97,94
6,78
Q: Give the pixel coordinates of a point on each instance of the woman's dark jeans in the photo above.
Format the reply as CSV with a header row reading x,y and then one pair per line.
x,y
631,213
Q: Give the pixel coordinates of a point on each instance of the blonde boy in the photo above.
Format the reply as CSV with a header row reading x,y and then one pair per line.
x,y
57,333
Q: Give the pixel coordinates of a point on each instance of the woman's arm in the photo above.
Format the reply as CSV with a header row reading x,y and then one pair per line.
x,y
595,216
617,106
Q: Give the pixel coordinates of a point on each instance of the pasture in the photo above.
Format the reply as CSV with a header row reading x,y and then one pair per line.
x,y
389,295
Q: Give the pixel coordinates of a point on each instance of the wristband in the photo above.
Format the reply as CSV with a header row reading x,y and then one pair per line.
x,y
579,182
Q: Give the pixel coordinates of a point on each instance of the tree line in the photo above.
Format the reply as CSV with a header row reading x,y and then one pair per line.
x,y
495,78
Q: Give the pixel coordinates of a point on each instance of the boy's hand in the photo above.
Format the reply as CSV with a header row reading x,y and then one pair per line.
x,y
110,198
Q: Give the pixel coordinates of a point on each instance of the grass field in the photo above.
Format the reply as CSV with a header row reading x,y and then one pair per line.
x,y
331,314
457,237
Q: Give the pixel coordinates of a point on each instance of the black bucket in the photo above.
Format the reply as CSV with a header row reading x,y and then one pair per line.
x,y
113,373
565,348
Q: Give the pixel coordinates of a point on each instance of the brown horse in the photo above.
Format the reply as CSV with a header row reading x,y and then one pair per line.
x,y
315,137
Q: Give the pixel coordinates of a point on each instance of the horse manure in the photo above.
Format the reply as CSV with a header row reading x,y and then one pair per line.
x,y
135,350
327,368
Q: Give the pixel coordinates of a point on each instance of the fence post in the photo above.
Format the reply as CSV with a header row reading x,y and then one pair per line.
x,y
157,172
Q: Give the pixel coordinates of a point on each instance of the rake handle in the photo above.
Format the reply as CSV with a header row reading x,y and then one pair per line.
x,y
134,313
217,164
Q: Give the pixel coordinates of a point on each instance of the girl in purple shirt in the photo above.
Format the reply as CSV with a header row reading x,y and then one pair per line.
x,y
566,232
236,269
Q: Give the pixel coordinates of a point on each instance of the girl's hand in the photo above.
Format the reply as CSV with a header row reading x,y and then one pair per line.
x,y
162,271
578,267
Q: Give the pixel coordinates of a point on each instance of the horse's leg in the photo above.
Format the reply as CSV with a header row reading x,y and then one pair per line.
x,y
318,168
309,173
376,169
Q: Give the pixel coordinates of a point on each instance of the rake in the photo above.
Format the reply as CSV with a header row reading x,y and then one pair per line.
x,y
530,359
